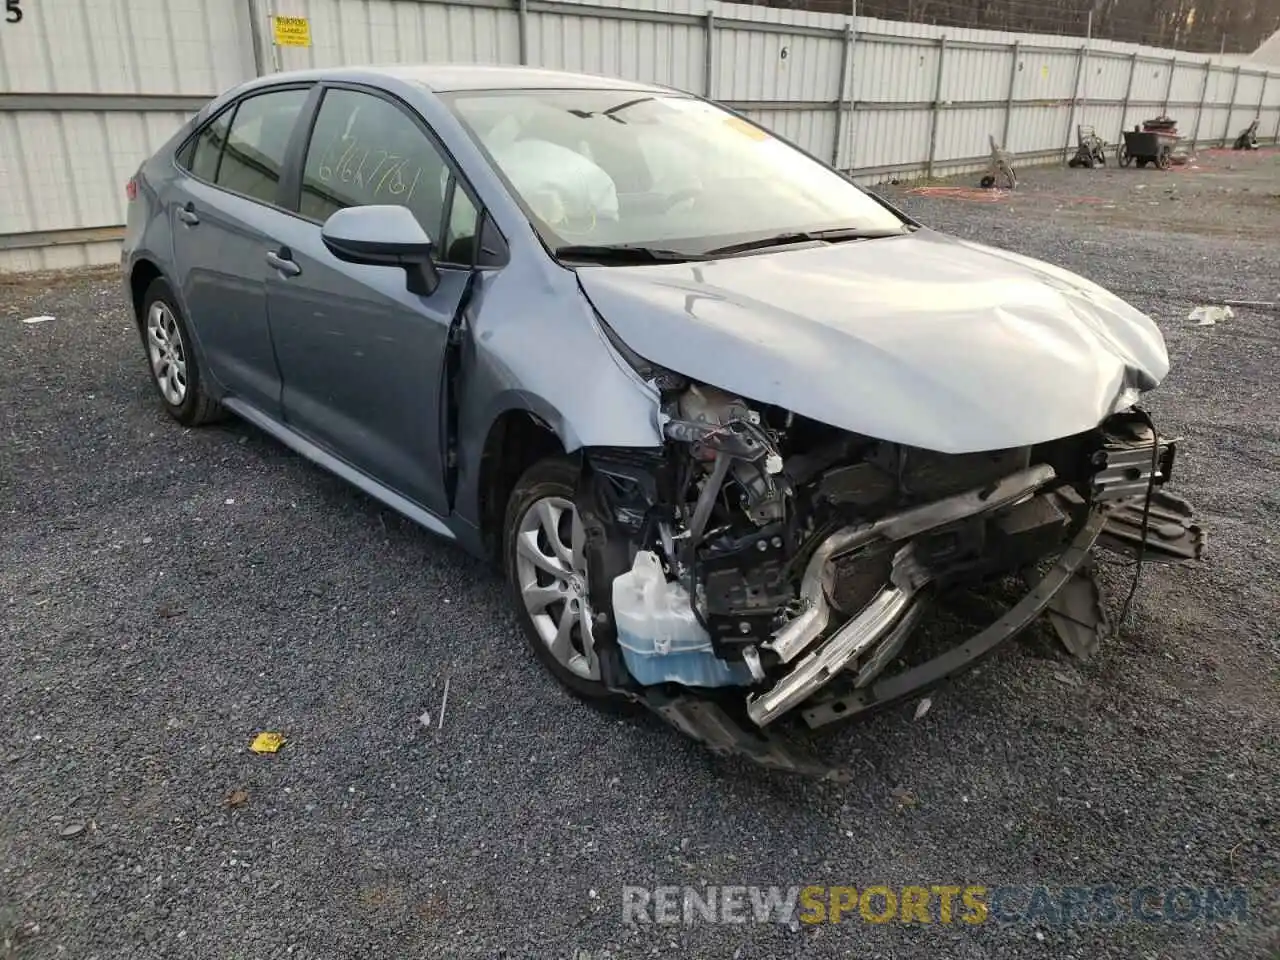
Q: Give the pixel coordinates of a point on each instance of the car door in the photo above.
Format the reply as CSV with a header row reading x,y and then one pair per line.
x,y
360,355
224,213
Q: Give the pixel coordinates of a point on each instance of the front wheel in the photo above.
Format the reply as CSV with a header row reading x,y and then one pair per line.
x,y
546,569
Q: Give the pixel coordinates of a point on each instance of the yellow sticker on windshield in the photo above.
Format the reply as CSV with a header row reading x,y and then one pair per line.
x,y
748,129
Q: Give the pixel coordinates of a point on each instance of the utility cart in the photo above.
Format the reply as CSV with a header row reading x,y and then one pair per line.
x,y
1153,142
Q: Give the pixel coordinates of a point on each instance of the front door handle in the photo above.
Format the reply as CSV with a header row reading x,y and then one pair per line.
x,y
281,261
188,215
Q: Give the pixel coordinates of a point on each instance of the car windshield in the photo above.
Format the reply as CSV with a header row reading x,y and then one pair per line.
x,y
624,171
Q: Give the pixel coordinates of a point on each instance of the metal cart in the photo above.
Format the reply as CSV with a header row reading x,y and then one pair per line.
x,y
1153,142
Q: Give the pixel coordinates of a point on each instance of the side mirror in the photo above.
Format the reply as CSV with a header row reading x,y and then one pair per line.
x,y
383,236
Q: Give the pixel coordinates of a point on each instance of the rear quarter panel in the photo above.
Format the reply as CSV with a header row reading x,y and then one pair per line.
x,y
148,233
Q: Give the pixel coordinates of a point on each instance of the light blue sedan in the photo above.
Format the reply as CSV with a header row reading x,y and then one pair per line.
x,y
728,423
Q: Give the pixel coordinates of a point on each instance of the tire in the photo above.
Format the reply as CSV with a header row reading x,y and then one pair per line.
x,y
543,498
171,358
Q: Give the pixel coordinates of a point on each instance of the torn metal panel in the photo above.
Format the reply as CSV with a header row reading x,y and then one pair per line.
x,y
1172,533
1077,613
709,723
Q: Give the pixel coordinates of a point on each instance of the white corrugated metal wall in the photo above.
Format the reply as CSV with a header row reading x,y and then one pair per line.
x,y
90,87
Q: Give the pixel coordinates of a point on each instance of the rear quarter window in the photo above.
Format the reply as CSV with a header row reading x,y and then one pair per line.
x,y
200,155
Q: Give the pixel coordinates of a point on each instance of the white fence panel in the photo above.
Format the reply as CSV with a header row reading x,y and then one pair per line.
x,y
776,66
126,47
963,132
975,74
347,32
1107,77
886,72
1249,93
1036,128
70,167
1150,81
88,88
1187,80
888,138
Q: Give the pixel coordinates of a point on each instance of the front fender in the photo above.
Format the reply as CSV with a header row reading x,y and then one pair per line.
x,y
536,346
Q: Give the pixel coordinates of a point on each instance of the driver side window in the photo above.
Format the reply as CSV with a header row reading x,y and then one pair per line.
x,y
365,150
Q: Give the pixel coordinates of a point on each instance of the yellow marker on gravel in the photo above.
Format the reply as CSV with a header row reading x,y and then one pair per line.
x,y
267,743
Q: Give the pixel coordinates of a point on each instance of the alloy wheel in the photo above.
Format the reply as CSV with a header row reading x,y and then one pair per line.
x,y
167,352
550,564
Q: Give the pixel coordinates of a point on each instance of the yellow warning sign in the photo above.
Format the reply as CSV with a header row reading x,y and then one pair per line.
x,y
291,31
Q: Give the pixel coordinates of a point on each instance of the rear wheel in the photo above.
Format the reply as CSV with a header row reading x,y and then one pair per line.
x,y
546,569
175,371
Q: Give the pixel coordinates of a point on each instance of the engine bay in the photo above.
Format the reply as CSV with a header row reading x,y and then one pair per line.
x,y
760,557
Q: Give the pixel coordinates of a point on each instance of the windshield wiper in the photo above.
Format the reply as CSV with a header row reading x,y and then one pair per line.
x,y
835,235
623,253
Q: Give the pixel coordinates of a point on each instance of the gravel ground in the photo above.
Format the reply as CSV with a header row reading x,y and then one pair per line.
x,y
167,594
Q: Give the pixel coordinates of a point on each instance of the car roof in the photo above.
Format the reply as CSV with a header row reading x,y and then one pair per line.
x,y
445,78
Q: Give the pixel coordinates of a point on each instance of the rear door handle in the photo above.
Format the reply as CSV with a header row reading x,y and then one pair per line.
x,y
188,215
281,261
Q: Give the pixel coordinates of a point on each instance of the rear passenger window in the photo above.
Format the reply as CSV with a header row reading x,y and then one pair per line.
x,y
201,157
364,150
256,144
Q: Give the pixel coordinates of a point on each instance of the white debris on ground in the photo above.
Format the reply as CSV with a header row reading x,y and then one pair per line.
x,y
1207,315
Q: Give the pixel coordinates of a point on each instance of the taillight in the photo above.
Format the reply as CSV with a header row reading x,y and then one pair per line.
x,y
131,188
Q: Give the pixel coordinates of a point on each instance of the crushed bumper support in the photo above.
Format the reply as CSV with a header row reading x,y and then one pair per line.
x,y
885,611
793,639
724,733
1018,617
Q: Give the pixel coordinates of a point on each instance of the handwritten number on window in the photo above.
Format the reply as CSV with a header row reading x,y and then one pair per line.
x,y
377,171
13,11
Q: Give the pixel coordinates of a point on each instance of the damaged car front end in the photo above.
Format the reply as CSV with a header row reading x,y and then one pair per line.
x,y
764,567
770,566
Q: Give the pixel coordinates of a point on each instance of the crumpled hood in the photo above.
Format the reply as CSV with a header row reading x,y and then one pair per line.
x,y
921,339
